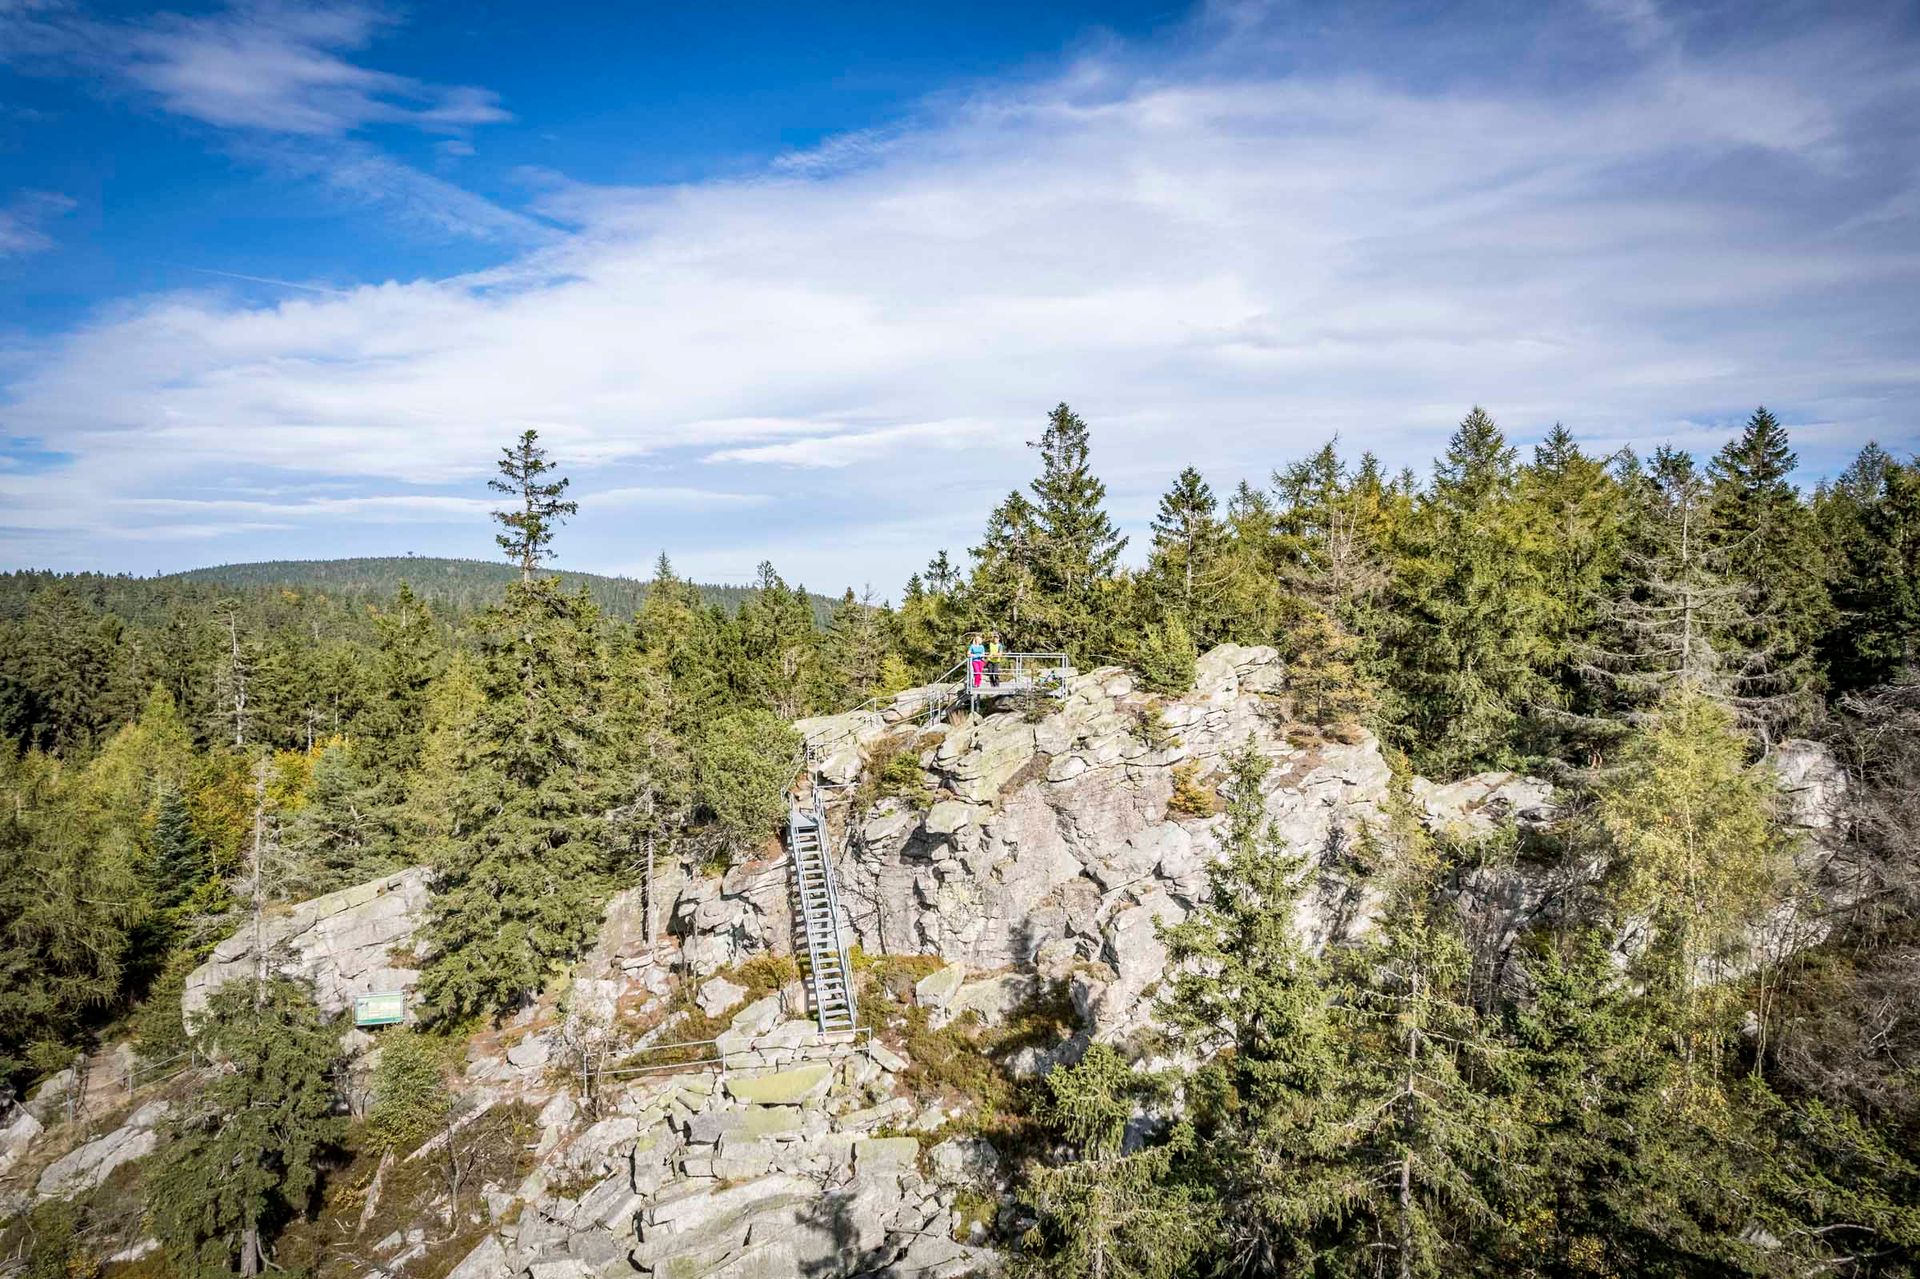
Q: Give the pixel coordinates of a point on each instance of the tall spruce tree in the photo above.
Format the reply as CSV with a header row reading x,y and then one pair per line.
x,y
1680,624
1765,537
1003,592
777,658
1877,575
1578,516
337,838
386,735
179,861
1628,1168
521,876
1435,1127
931,625
1187,570
1472,611
1250,996
680,639
1076,546
530,529
860,652
243,1153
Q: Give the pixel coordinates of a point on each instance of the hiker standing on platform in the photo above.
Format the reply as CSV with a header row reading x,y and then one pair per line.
x,y
977,658
994,654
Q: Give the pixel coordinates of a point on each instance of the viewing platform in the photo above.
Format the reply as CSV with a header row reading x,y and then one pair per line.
x,y
1009,675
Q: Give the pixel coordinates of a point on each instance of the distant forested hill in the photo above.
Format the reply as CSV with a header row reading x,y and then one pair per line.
x,y
457,584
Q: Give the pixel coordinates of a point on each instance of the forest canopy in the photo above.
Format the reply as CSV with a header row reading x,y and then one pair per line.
x,y
178,752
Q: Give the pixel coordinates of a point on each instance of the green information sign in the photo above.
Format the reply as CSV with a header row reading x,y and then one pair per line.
x,y
388,1008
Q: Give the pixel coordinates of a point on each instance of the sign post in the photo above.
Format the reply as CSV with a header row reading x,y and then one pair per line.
x,y
384,1008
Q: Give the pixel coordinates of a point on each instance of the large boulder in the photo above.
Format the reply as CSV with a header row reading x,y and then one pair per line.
x,y
357,941
1813,785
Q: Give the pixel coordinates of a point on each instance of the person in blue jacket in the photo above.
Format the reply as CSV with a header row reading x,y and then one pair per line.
x,y
977,658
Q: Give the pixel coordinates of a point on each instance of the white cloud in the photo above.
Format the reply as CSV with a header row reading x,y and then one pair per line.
x,y
280,68
1217,263
833,451
22,222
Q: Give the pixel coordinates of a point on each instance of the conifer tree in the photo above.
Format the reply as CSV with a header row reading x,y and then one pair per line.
x,y
1628,1168
1337,527
1698,854
1167,657
179,862
1076,546
1677,625
646,772
1251,996
858,643
68,897
777,650
233,674
743,763
386,737
334,839
1434,1132
931,626
242,1154
521,876
528,539
1471,609
1877,586
1003,592
1187,568
1578,516
63,664
1765,538
448,722
1104,1212
679,638
1256,558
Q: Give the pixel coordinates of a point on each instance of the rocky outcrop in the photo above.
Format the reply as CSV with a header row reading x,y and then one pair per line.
x,y
86,1166
772,1169
1050,841
354,942
1813,787
1056,831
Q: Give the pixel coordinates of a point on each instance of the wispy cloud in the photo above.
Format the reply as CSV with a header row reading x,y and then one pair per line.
x,y
833,451
23,222
1218,257
275,67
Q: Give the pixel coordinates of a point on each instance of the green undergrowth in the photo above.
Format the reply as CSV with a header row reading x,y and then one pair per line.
x,y
961,1064
891,770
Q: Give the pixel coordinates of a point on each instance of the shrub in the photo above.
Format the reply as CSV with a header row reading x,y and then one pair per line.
x,y
1151,726
410,1096
1167,657
1191,797
742,769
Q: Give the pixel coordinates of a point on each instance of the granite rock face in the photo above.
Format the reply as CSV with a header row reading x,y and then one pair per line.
x,y
86,1166
769,1170
354,942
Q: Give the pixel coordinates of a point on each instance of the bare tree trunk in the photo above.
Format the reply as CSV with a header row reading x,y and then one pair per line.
x,y
256,892
1406,1150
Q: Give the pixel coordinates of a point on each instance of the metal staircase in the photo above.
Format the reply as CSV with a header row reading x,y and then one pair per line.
x,y
829,975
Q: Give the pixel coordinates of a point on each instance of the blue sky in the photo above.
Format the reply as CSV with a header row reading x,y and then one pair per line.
x,y
277,280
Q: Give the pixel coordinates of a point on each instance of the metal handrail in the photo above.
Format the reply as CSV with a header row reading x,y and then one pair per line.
x,y
833,901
